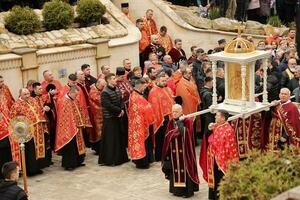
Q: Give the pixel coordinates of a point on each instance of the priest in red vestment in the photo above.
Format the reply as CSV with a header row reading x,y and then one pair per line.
x,y
72,81
179,156
71,123
221,151
177,53
85,90
285,123
150,24
35,149
49,79
5,95
161,99
96,110
165,39
188,91
140,119
249,133
41,100
9,147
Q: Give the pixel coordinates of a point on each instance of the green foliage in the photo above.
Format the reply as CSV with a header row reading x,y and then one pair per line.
x,y
89,11
57,15
214,13
22,21
262,177
274,21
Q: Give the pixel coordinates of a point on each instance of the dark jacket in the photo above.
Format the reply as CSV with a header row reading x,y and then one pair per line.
x,y
112,104
206,101
9,190
90,80
221,87
273,87
198,74
285,79
293,84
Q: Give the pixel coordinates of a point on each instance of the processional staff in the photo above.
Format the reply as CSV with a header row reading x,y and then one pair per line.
x,y
21,129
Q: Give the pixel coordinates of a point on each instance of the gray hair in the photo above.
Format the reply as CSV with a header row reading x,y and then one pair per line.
x,y
285,90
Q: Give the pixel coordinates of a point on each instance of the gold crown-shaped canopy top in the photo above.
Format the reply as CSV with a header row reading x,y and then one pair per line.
x,y
239,45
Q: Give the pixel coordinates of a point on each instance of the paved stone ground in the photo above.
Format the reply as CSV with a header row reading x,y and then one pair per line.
x,y
94,182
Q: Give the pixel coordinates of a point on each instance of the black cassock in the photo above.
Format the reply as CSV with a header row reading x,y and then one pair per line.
x,y
5,153
149,158
33,165
179,158
113,148
70,156
159,138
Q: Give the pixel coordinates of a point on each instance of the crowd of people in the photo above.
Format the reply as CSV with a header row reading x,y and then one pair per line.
x,y
243,10
139,112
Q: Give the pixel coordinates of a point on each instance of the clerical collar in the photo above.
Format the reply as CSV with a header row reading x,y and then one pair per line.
x,y
186,78
70,97
97,87
137,91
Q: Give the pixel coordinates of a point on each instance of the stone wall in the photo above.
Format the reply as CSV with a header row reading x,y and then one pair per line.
x,y
177,27
18,65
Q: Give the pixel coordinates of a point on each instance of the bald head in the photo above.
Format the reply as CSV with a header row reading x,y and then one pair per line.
x,y
154,39
80,76
100,84
48,76
168,59
24,94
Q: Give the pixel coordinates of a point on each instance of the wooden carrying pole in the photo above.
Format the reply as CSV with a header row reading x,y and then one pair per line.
x,y
23,162
195,114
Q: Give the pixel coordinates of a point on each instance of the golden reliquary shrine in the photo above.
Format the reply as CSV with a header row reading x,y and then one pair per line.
x,y
239,57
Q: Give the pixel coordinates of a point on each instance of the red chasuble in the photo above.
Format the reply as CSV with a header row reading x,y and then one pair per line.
x,y
140,117
32,111
250,138
189,94
80,97
71,118
144,41
5,97
96,110
150,27
166,42
179,148
162,101
14,145
284,117
222,149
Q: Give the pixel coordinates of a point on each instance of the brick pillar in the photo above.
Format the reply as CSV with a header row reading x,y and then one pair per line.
x,y
29,66
102,54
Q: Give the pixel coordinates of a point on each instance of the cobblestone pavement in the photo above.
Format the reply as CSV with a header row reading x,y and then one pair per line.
x,y
94,182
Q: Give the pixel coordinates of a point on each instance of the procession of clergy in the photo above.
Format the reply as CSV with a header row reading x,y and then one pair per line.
x,y
140,112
